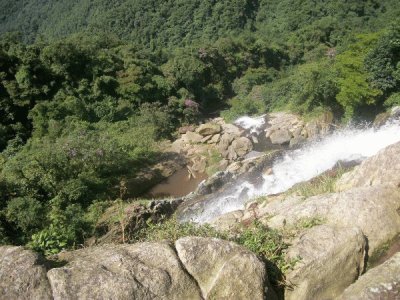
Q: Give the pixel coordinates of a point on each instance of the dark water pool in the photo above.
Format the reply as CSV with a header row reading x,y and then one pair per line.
x,y
178,185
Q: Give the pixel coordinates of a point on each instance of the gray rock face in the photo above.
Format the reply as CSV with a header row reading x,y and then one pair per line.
x,y
383,168
289,129
382,282
198,268
223,269
21,275
139,271
372,209
331,258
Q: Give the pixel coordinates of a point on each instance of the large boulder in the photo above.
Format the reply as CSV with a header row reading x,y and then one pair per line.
x,y
382,282
288,129
208,129
382,168
373,209
242,146
280,136
22,275
329,259
138,271
222,269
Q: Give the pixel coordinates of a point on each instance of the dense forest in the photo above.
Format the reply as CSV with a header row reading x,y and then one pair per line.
x,y
88,88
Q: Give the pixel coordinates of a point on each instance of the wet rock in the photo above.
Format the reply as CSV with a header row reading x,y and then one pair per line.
x,y
385,117
280,136
22,275
223,183
222,269
138,271
381,282
214,183
297,141
382,168
208,129
329,258
289,129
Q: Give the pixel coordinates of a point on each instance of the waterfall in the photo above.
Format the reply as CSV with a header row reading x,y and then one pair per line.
x,y
347,144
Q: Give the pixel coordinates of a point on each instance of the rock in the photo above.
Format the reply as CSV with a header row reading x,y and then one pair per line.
x,y
223,164
227,221
231,129
319,126
222,269
215,139
185,129
192,137
296,141
372,209
241,146
331,258
388,116
225,141
209,129
206,139
395,112
381,282
280,136
22,275
214,183
205,200
138,271
199,165
381,119
382,168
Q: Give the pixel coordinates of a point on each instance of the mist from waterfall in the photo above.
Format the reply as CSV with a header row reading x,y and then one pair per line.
x,y
347,144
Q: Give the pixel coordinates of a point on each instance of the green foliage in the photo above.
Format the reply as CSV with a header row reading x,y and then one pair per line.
x,y
49,241
322,184
354,87
393,100
305,88
243,106
265,242
172,230
27,213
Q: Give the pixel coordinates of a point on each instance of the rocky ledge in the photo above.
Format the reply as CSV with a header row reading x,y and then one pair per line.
x,y
193,268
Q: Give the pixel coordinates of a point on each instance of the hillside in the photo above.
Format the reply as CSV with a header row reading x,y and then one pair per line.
x,y
172,23
90,91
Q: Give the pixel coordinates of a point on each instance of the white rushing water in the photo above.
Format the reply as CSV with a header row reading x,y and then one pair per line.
x,y
255,124
305,163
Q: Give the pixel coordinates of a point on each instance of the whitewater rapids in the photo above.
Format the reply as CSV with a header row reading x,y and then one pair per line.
x,y
348,144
